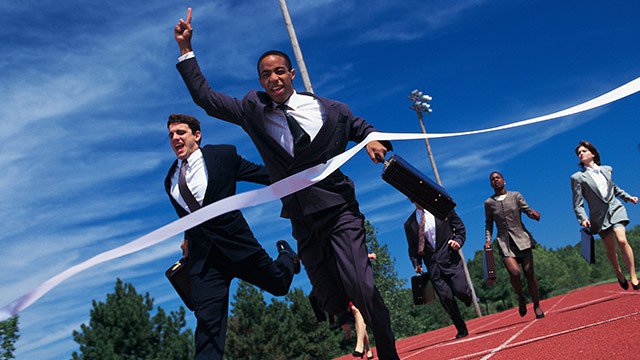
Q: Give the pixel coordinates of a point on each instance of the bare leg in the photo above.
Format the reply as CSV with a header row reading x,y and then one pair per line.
x,y
361,330
532,283
514,274
610,246
627,252
511,264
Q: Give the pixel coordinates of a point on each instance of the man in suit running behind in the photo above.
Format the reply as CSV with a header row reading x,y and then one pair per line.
x,y
293,132
436,242
224,247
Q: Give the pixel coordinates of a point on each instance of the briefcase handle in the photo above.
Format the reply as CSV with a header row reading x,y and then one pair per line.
x,y
382,160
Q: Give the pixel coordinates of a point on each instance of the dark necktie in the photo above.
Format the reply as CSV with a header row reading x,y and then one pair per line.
x,y
300,137
421,234
186,194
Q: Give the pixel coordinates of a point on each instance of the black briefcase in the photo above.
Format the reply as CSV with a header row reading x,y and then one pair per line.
x,y
587,246
417,187
422,289
178,275
489,266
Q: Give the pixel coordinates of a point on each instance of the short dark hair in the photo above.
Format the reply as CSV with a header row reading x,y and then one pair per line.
x,y
592,148
286,58
495,172
192,122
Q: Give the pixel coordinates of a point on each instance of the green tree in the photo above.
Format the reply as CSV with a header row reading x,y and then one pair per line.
x,y
122,328
8,336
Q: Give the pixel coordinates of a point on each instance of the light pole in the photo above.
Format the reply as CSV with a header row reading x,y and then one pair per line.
x,y
421,105
296,47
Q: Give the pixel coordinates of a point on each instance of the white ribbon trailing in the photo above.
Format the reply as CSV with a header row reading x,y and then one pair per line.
x,y
280,189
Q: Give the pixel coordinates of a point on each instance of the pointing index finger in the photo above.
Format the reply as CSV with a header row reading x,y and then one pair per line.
x,y
189,15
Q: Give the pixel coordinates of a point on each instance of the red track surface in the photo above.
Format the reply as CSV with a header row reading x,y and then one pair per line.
x,y
595,322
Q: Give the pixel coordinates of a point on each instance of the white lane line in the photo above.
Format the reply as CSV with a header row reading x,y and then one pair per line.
x,y
543,337
504,344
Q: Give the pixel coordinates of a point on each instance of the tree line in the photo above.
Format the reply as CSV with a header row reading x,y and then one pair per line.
x,y
123,327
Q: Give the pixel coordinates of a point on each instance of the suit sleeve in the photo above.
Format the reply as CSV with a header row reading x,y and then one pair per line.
x,y
215,103
412,243
578,200
459,231
251,172
488,222
360,129
617,191
522,204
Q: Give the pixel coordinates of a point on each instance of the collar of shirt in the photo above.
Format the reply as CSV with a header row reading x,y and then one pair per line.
x,y
429,226
595,170
196,177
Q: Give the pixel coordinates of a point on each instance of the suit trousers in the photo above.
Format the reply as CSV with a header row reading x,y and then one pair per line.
x,y
449,283
331,245
210,293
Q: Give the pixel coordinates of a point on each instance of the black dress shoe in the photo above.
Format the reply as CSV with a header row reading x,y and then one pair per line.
x,y
522,306
624,284
284,246
462,333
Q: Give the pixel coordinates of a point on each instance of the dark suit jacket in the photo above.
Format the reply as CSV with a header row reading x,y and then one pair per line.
x,y
339,127
442,256
229,234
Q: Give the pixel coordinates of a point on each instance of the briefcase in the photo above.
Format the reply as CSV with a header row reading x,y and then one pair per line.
x,y
417,187
587,249
489,266
178,275
422,289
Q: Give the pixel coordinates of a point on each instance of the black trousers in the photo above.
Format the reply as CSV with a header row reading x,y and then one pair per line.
x,y
448,283
331,245
210,293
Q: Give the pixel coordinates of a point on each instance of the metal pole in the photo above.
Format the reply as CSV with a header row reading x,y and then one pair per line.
x,y
474,299
296,47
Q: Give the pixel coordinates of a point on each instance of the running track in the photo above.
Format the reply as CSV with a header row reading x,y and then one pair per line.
x,y
595,322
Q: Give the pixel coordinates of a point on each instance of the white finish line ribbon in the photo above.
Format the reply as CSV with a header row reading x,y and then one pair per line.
x,y
278,190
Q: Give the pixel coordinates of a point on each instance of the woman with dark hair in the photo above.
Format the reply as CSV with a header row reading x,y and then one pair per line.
x,y
607,215
515,243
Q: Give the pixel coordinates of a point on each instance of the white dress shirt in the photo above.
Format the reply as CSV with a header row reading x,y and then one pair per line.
x,y
196,176
429,226
305,109
601,181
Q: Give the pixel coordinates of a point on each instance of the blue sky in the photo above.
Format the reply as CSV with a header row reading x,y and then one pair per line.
x,y
87,88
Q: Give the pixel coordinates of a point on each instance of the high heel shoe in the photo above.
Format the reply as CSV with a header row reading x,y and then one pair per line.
x,y
636,287
522,306
624,284
359,354
539,315
369,357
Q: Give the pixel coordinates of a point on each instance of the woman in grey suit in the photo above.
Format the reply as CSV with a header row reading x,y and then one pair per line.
x,y
607,215
514,240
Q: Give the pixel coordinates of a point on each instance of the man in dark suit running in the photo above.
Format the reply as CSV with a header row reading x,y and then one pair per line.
x,y
437,242
224,247
293,132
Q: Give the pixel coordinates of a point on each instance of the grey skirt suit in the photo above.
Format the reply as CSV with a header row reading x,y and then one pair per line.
x,y
514,240
604,211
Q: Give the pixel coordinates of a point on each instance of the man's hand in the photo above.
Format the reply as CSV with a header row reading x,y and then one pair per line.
x,y
183,32
534,215
185,248
419,269
487,244
375,149
634,199
586,223
454,245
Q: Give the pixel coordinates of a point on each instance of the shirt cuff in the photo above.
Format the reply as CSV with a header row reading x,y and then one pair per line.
x,y
186,56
